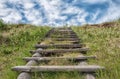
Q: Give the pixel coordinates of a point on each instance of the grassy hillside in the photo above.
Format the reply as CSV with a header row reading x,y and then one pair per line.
x,y
104,42
15,43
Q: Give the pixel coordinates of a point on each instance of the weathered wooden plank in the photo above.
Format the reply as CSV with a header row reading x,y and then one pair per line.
x,y
74,42
72,34
63,36
60,45
88,68
65,39
61,30
64,32
55,51
66,42
51,58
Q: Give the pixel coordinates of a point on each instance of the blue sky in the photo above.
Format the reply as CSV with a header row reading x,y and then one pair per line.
x,y
59,12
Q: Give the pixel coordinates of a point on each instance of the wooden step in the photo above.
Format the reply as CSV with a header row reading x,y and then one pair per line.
x,y
65,30
69,32
55,51
66,42
85,68
52,58
66,36
64,33
65,39
74,42
62,29
60,46
63,36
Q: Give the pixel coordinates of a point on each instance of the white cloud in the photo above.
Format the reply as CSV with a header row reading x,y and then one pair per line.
x,y
94,1
53,12
72,10
37,22
2,6
112,13
95,15
28,5
4,12
32,14
13,17
81,17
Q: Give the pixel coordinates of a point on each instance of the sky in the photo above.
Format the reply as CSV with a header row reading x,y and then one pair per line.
x,y
59,12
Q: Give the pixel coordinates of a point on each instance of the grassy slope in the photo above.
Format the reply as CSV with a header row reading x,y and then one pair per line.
x,y
15,44
105,44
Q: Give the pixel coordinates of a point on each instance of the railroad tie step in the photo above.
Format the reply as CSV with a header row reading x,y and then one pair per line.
x,y
52,58
60,45
73,42
67,31
86,68
64,36
64,33
55,51
65,39
61,30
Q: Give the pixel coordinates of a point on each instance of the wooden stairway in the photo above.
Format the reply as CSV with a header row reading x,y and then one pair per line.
x,y
63,41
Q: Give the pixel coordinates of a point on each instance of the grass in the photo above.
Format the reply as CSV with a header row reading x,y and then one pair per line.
x,y
104,42
15,44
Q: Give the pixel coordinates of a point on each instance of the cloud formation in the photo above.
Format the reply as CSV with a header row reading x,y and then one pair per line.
x,y
59,12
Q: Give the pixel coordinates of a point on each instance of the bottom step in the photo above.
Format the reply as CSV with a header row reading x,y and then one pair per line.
x,y
88,68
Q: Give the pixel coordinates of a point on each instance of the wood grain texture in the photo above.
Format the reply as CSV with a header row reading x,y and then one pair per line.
x,y
85,68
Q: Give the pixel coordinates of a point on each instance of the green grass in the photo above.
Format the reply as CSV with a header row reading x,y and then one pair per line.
x,y
15,44
105,44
